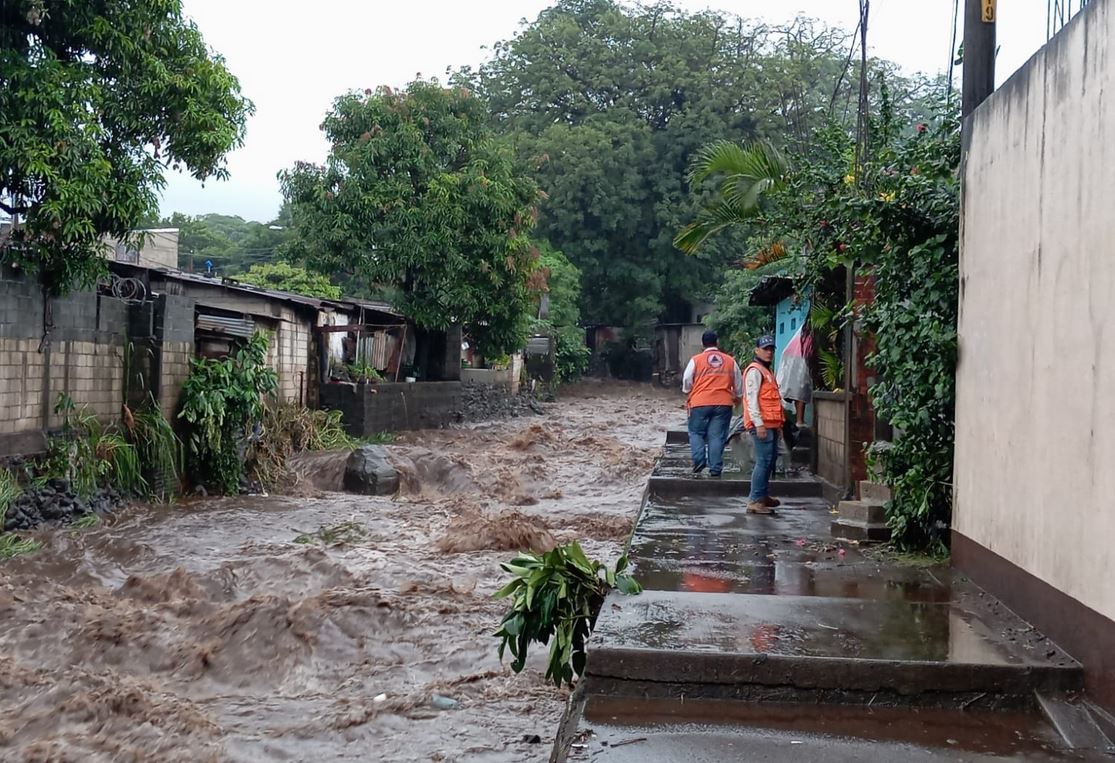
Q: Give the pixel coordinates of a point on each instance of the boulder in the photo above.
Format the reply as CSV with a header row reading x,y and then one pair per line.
x,y
368,471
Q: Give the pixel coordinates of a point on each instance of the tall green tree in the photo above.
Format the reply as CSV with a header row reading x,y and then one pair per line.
x,y
97,101
419,197
612,101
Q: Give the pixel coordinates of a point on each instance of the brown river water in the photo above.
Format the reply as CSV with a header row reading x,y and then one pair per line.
x,y
205,632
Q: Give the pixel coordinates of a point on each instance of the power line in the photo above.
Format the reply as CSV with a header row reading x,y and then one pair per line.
x,y
952,46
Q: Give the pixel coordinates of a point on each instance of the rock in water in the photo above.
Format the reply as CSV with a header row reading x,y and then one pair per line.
x,y
368,471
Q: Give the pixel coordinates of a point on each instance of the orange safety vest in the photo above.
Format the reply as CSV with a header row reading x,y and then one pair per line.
x,y
713,380
770,400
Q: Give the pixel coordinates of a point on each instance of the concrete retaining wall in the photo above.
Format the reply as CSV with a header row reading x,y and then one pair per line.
x,y
369,409
1035,445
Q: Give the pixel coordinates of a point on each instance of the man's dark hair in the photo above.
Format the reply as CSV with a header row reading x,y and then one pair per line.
x,y
710,339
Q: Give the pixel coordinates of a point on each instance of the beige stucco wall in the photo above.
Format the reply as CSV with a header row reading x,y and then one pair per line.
x,y
1035,418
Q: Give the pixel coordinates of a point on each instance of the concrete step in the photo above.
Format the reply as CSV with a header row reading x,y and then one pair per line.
x,y
818,649
873,512
667,486
677,437
1074,720
864,532
874,491
640,730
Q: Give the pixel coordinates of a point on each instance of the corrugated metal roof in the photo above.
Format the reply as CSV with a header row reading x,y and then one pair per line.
x,y
220,324
282,296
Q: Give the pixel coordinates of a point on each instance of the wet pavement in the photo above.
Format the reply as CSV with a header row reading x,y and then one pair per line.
x,y
322,626
745,617
703,731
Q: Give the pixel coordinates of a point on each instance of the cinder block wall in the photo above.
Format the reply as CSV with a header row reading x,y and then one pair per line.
x,y
77,346
830,412
371,409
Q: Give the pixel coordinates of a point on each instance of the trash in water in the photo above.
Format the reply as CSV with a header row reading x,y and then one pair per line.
x,y
379,698
443,703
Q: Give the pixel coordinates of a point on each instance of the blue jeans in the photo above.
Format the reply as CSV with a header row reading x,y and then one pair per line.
x,y
766,451
708,432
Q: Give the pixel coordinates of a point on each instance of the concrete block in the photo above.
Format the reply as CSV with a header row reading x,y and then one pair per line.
x,y
874,491
870,512
861,531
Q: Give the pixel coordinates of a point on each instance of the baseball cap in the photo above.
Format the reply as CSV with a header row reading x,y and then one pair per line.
x,y
766,340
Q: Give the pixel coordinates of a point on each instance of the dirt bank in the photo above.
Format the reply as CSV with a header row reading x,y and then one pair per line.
x,y
321,627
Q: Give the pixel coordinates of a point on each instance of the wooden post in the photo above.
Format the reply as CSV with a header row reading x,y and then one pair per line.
x,y
979,53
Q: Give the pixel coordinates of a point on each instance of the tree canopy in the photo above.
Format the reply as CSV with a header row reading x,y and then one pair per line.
x,y
418,196
232,244
611,102
286,277
97,100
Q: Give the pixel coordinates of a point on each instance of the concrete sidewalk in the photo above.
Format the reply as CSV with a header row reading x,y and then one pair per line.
x,y
747,616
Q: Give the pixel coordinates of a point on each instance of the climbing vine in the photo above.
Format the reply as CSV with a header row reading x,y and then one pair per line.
x,y
221,400
894,216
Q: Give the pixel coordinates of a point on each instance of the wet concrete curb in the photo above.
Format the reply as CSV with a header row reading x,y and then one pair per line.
x,y
767,677
661,486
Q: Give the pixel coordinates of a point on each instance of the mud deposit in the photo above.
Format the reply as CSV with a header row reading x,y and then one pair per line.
x,y
320,627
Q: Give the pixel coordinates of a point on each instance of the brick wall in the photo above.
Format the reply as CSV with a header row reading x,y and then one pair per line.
x,y
370,409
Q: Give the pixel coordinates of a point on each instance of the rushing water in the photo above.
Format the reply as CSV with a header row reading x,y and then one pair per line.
x,y
207,632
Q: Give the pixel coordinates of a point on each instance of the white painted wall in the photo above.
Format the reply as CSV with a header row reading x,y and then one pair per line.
x,y
1035,419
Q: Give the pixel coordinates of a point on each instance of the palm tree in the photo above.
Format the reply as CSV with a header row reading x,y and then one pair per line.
x,y
748,171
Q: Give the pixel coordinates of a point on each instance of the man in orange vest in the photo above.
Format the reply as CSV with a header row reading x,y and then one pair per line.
x,y
713,384
763,417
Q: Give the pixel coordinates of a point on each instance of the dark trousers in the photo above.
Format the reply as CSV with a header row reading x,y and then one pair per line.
x,y
708,433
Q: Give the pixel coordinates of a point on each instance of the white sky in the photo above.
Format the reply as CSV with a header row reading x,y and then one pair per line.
x,y
293,59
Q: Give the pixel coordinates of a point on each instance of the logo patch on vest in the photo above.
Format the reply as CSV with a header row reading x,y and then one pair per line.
x,y
715,360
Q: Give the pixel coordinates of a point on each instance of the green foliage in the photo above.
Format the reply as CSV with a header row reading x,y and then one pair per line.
x,y
611,100
736,322
97,100
563,285
556,595
361,373
418,196
10,490
746,174
232,244
91,455
87,522
220,400
571,353
12,545
159,450
899,221
286,277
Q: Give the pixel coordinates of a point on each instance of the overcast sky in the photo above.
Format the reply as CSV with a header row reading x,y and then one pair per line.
x,y
293,59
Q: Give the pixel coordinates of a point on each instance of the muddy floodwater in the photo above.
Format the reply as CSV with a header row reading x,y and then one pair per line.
x,y
326,626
